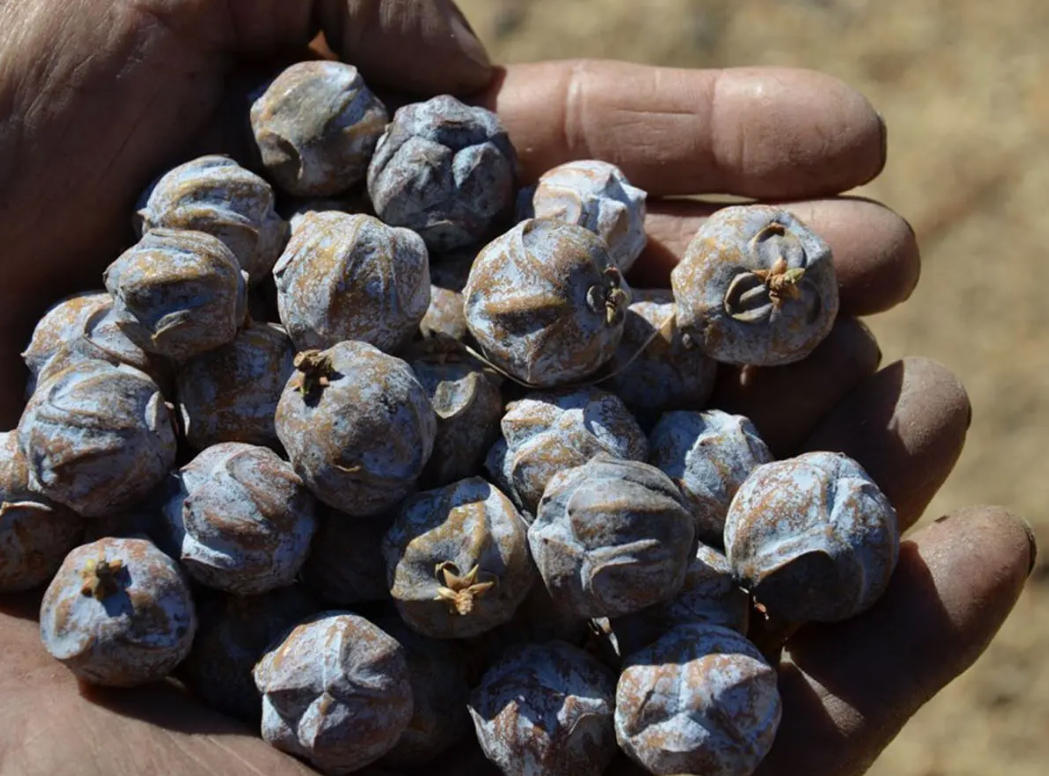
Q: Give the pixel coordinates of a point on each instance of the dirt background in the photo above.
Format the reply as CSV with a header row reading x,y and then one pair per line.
x,y
964,87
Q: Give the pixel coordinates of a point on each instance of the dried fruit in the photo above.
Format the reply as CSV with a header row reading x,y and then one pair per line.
x,y
597,196
445,170
756,287
546,708
214,194
316,126
97,437
546,433
178,293
546,303
357,427
345,565
351,277
241,518
230,394
118,613
335,691
62,322
812,538
445,316
457,560
611,537
708,455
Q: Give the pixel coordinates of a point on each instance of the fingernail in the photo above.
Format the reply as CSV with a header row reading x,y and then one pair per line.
x,y
465,37
1033,541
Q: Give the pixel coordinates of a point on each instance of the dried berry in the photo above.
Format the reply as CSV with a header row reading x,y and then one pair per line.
x,y
457,560
97,437
597,196
316,126
230,394
445,315
547,433
63,322
335,691
345,565
357,426
546,303
178,293
233,634
611,537
546,708
702,699
653,370
445,170
214,194
756,287
708,455
35,532
812,538
118,613
351,277
242,519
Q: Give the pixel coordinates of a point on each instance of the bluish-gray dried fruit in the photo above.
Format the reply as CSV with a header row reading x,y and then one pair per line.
x,y
457,560
812,538
445,170
335,691
242,519
702,699
756,287
611,537
97,437
316,126
35,532
214,194
597,196
61,323
345,565
546,433
230,394
546,709
546,303
357,426
178,293
351,277
708,455
118,613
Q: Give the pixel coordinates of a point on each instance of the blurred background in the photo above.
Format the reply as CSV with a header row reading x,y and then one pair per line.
x,y
964,87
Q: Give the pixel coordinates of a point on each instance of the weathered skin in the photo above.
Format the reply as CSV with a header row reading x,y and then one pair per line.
x,y
611,537
708,455
546,303
216,195
465,526
121,630
35,532
547,433
701,700
230,394
97,437
242,518
597,196
316,126
178,293
812,538
546,709
345,565
360,441
731,313
445,170
351,277
336,691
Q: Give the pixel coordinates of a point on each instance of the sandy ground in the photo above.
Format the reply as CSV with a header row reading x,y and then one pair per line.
x,y
964,86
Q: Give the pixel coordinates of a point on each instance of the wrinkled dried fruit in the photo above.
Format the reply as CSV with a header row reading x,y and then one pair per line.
x,y
118,613
345,565
812,538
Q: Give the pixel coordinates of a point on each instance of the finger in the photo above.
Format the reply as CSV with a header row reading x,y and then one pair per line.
x,y
786,403
771,133
875,251
906,426
850,687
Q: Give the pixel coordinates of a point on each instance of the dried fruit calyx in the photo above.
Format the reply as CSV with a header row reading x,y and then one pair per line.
x,y
317,370
609,296
460,590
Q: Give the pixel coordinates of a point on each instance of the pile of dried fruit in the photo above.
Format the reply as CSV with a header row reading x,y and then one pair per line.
x,y
387,472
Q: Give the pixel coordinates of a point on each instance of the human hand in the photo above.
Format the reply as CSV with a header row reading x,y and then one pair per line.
x,y
97,102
